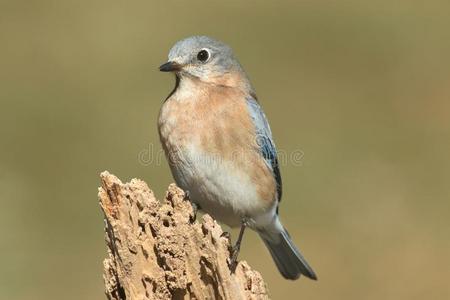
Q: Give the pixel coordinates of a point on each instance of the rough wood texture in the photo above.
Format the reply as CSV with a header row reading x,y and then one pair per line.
x,y
157,251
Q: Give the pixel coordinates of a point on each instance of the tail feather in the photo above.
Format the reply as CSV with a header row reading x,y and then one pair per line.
x,y
290,262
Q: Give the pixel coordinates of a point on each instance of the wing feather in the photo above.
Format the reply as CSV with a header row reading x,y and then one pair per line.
x,y
265,141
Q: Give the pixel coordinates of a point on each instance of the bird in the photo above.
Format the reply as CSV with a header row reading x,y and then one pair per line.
x,y
220,148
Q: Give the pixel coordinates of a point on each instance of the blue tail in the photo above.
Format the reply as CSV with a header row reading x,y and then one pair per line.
x,y
290,262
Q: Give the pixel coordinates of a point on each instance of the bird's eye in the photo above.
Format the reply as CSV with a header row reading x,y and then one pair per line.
x,y
203,55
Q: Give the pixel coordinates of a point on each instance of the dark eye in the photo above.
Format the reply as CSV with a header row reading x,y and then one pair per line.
x,y
203,55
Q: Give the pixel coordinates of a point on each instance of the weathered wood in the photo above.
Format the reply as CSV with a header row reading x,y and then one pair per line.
x,y
157,251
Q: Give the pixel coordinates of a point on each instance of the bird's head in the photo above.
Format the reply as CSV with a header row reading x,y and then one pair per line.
x,y
206,59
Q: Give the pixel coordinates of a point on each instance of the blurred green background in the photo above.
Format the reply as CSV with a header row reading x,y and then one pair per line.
x,y
362,88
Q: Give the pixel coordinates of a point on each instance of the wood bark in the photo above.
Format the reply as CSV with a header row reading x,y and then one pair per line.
x,y
158,251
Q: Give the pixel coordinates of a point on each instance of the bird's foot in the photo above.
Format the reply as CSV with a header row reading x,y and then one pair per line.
x,y
234,256
226,235
237,247
195,206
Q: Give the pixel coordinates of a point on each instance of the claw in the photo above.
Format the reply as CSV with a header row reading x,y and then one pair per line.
x,y
234,256
226,234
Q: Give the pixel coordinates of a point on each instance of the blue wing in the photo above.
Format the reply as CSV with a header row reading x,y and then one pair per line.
x,y
265,141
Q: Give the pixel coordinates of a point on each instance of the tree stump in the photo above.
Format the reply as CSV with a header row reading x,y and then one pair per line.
x,y
158,251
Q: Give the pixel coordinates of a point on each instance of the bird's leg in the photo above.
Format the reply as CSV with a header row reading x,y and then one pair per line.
x,y
195,206
235,249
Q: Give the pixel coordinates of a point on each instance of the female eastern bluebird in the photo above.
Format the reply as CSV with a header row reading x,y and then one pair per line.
x,y
220,147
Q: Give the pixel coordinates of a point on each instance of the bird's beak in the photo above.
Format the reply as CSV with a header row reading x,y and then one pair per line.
x,y
170,67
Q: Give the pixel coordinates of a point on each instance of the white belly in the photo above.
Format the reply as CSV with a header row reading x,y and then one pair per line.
x,y
218,186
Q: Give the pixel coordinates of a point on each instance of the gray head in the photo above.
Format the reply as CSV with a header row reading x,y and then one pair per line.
x,y
202,57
